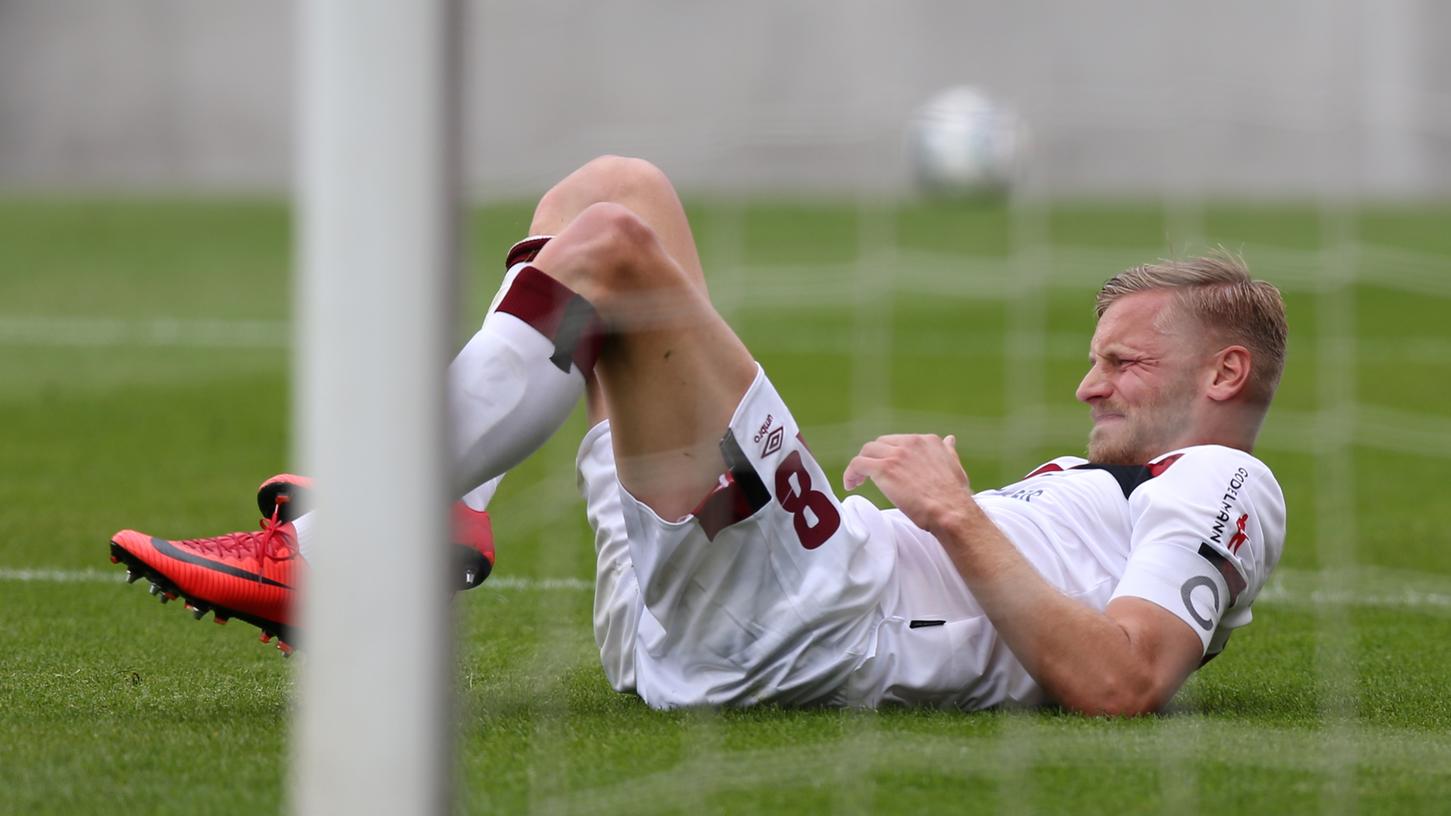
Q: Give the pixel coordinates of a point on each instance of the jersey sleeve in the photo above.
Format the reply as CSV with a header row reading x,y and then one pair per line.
x,y
1206,532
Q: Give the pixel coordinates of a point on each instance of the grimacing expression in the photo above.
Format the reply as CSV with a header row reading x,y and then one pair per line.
x,y
1142,381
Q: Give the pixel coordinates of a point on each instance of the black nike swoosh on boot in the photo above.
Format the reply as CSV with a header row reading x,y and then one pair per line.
x,y
166,548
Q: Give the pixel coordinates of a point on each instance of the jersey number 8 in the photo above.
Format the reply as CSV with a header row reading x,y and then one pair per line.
x,y
812,512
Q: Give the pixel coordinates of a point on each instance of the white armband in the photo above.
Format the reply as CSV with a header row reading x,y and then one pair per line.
x,y
1182,582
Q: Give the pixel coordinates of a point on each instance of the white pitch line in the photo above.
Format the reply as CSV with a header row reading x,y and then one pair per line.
x,y
58,576
514,582
1370,587
103,332
1318,597
44,575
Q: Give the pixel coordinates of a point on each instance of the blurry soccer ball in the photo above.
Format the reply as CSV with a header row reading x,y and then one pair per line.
x,y
960,144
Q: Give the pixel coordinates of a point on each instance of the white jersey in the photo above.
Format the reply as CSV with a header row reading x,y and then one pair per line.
x,y
776,591
1196,531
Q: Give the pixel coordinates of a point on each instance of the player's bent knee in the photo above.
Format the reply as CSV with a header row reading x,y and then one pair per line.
x,y
620,178
608,178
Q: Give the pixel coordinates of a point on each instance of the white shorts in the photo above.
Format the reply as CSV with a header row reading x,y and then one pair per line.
x,y
774,590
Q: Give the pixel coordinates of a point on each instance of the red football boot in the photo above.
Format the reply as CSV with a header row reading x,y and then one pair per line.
x,y
285,496
249,575
473,546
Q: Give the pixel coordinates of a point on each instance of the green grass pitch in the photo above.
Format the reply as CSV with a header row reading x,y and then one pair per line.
x,y
144,383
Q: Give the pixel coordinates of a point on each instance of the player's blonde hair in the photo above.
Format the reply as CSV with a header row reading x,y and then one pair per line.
x,y
1217,290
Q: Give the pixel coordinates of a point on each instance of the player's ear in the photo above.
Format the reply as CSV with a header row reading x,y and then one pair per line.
x,y
1231,372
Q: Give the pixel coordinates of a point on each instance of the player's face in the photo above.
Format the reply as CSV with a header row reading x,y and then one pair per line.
x,y
1143,380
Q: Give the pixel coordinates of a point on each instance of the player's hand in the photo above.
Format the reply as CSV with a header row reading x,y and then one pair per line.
x,y
919,473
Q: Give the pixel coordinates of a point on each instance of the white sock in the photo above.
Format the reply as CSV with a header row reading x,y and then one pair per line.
x,y
507,395
479,497
303,524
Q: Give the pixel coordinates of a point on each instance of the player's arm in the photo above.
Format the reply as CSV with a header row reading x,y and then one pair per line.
x,y
1128,660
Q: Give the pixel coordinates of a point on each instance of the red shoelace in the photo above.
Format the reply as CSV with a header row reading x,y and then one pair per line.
x,y
273,541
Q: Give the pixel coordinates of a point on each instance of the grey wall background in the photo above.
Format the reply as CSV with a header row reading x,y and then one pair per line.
x,y
1269,98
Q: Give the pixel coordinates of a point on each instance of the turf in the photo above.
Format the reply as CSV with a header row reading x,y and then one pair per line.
x,y
143,383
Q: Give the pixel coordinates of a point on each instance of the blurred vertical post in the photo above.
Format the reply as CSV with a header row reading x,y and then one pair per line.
x,y
376,229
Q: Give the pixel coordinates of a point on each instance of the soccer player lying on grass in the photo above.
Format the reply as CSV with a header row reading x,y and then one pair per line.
x,y
730,573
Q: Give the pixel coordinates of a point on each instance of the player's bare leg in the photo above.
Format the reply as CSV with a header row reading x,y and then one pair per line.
x,y
671,370
665,419
643,189
638,186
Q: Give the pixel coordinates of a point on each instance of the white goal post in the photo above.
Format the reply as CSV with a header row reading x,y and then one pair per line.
x,y
376,221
